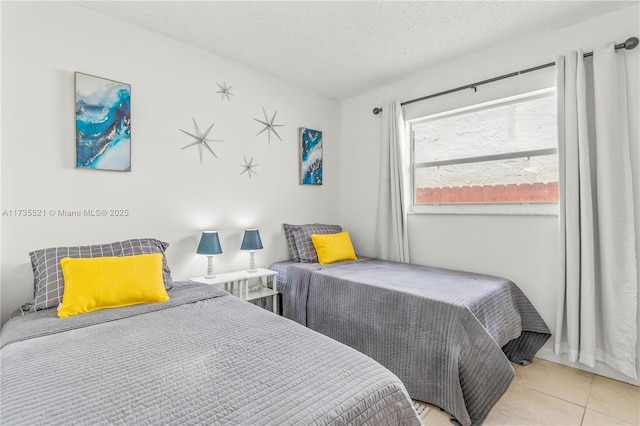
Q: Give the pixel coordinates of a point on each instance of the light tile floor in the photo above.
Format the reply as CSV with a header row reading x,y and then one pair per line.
x,y
546,393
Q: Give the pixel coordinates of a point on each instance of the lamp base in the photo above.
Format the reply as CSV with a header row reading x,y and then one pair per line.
x,y
210,275
252,262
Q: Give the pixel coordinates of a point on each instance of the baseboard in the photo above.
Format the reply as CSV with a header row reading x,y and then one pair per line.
x,y
600,369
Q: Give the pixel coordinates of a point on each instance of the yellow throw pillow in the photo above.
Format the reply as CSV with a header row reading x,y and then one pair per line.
x,y
333,247
97,283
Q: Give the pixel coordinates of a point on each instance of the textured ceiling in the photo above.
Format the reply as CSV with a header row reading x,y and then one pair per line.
x,y
343,48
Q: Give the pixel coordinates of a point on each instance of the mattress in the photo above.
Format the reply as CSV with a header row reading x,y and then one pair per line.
x,y
203,357
448,335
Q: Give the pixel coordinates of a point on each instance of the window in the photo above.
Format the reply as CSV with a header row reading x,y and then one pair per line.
x,y
501,152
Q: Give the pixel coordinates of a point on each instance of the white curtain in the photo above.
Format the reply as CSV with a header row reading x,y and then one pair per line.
x,y
597,308
391,225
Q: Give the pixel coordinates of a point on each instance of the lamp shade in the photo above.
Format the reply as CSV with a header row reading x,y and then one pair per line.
x,y
251,240
209,243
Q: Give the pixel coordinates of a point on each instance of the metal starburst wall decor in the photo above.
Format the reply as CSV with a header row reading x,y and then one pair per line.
x,y
225,92
248,167
269,125
201,139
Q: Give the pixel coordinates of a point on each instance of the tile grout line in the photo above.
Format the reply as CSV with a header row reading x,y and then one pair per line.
x,y
558,397
585,407
550,396
584,413
510,417
586,403
592,378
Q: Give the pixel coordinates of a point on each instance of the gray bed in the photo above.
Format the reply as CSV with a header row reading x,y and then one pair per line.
x,y
448,335
204,357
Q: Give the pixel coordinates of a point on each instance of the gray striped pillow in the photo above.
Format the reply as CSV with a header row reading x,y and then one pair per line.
x,y
47,274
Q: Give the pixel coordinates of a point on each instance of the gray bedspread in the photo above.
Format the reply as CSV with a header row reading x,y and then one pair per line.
x,y
448,335
204,357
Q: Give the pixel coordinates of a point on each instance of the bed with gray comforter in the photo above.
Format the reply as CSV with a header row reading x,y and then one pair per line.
x,y
448,335
204,357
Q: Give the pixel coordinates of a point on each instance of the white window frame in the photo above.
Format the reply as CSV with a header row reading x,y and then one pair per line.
x,y
534,209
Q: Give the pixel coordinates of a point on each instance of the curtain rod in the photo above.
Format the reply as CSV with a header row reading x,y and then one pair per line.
x,y
629,44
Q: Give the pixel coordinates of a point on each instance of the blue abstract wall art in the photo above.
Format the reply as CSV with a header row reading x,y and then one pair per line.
x,y
310,156
103,123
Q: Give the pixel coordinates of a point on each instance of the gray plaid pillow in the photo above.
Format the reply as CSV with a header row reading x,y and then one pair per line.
x,y
291,242
48,280
304,245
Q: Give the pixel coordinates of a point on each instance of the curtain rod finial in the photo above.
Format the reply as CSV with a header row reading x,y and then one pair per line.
x,y
631,43
377,110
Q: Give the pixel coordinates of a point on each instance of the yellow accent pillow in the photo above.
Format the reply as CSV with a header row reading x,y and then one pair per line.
x,y
97,283
333,247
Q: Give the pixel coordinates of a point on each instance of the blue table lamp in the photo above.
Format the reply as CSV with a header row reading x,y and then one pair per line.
x,y
209,246
251,242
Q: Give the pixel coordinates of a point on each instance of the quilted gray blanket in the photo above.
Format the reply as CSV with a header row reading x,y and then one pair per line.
x,y
448,335
204,357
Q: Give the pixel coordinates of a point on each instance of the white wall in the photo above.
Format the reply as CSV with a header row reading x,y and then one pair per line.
x,y
169,194
521,248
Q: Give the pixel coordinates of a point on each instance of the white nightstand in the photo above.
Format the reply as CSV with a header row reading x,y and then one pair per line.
x,y
237,283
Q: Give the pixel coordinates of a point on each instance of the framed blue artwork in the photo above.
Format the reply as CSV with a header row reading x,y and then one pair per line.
x,y
103,123
310,156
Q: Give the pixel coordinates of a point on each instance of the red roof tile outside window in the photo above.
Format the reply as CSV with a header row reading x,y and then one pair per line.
x,y
522,193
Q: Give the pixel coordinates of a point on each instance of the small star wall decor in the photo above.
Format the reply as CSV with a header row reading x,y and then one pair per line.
x,y
224,91
248,167
201,139
269,126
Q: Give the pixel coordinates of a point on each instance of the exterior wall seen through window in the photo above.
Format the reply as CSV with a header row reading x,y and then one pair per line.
x,y
505,152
